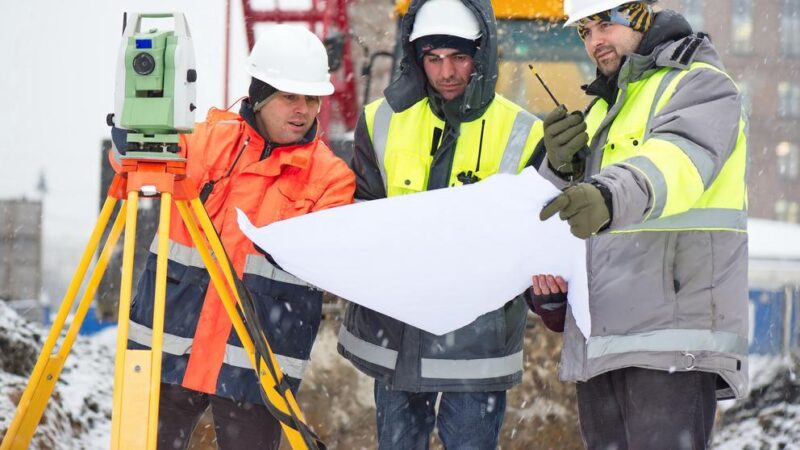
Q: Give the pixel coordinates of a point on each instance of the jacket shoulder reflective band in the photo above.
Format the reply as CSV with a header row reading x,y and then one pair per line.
x,y
688,189
403,143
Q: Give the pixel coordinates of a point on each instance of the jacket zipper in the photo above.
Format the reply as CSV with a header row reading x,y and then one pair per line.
x,y
205,192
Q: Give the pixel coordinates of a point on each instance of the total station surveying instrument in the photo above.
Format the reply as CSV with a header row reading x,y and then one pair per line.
x,y
154,101
155,87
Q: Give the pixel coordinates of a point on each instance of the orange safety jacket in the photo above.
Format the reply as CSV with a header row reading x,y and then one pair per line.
x,y
201,350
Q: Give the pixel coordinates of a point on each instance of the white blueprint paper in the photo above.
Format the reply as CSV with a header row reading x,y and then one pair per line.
x,y
436,260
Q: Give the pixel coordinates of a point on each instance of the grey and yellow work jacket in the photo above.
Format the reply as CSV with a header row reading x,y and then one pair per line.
x,y
485,355
668,282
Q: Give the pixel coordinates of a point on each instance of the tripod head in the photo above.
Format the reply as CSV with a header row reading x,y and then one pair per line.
x,y
155,87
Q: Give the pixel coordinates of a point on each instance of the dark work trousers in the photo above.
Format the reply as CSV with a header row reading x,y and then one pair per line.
x,y
643,409
238,425
466,420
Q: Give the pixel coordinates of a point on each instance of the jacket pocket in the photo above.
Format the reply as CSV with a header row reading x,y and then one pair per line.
x,y
692,279
670,284
185,294
373,327
621,146
217,195
629,283
290,319
407,173
295,201
294,208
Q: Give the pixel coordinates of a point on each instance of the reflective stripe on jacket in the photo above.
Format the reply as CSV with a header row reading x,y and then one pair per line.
x,y
201,349
406,161
688,188
668,283
485,355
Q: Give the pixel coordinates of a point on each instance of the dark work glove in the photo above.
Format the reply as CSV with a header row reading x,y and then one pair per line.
x,y
564,136
584,206
552,308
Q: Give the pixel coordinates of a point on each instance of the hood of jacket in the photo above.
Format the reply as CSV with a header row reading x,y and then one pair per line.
x,y
411,85
669,42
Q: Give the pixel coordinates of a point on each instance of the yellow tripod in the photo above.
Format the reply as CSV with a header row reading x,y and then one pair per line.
x,y
137,373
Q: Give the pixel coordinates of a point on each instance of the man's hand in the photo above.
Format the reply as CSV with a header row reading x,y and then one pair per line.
x,y
564,136
583,206
548,299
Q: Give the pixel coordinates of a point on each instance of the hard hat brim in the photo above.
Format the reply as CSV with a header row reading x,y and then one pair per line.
x,y
594,7
317,88
444,31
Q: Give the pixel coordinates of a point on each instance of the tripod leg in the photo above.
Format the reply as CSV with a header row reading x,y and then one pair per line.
x,y
137,378
225,286
121,435
158,318
49,365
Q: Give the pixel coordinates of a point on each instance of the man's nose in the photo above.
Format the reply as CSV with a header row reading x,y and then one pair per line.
x,y
596,39
448,68
301,105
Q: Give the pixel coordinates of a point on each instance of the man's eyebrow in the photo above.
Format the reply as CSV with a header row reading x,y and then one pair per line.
x,y
447,55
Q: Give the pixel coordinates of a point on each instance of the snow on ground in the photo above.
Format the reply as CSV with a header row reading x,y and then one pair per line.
x,y
79,412
769,417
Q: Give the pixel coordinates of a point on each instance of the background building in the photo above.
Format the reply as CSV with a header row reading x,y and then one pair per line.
x,y
21,256
760,46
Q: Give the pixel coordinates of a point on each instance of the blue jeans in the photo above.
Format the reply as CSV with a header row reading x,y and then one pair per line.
x,y
467,420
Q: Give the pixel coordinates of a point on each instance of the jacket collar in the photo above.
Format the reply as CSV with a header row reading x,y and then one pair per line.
x,y
297,155
275,157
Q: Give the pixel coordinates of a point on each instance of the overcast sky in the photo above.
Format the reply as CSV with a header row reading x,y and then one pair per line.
x,y
57,85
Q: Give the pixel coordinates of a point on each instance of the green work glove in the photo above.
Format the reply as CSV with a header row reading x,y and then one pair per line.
x,y
583,206
564,136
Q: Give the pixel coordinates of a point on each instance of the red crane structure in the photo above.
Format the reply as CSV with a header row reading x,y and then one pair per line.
x,y
329,20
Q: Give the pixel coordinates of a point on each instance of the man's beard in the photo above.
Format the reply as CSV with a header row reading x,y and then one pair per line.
x,y
611,58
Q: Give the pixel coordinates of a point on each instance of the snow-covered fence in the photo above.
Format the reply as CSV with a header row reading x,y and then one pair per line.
x,y
774,278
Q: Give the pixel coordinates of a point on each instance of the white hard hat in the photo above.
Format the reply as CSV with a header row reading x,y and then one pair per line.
x,y
580,9
292,59
448,17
